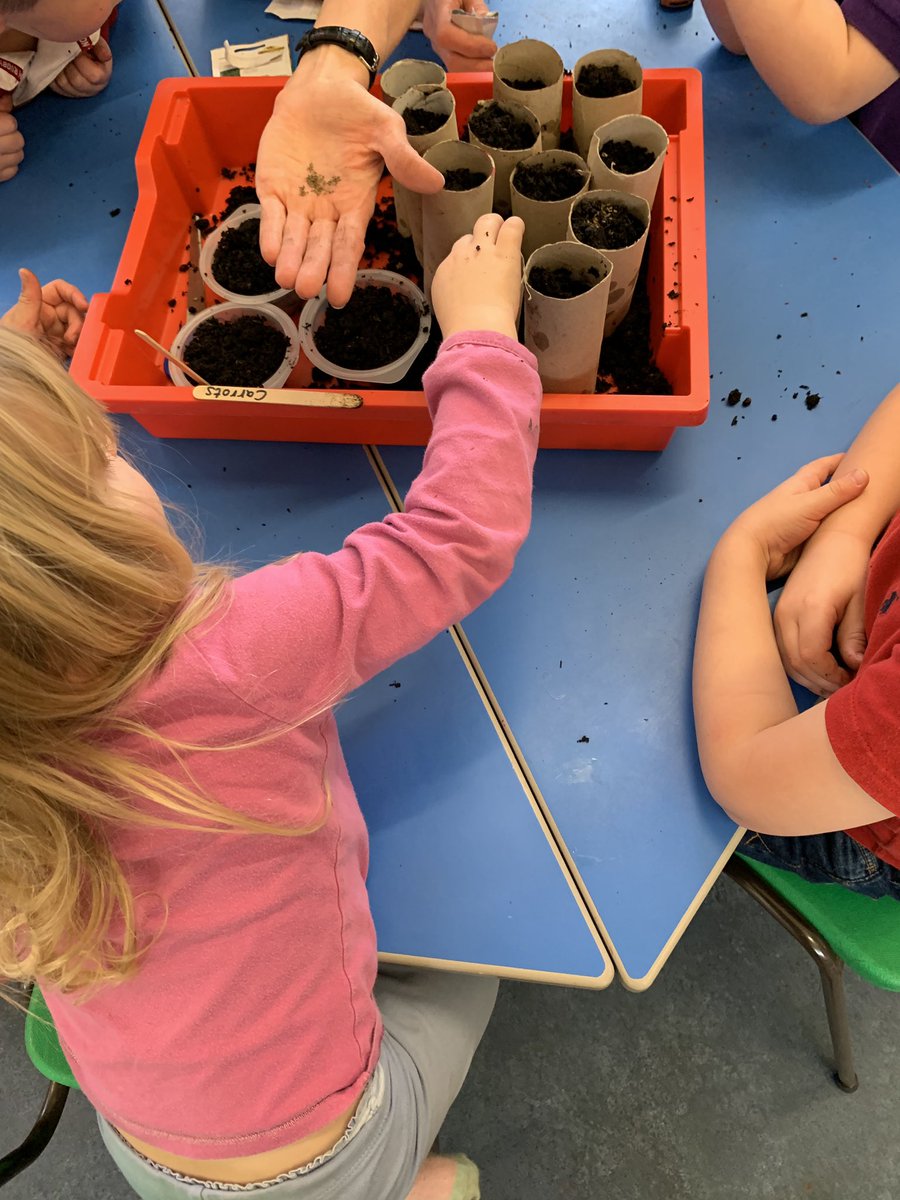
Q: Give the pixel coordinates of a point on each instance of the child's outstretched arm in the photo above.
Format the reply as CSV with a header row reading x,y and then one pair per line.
x,y
54,314
316,626
825,591
817,63
771,769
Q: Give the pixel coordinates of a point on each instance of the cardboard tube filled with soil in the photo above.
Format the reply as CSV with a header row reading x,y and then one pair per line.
x,y
508,132
407,73
531,73
468,194
566,290
617,224
606,84
429,113
542,190
627,155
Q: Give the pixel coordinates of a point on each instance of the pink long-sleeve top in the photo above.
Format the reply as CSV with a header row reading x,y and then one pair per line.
x,y
250,1022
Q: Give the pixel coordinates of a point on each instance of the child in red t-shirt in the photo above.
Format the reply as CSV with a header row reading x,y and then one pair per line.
x,y
821,787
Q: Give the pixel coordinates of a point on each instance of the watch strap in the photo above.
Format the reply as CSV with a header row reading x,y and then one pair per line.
x,y
351,40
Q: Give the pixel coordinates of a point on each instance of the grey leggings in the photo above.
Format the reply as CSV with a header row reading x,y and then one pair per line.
x,y
433,1022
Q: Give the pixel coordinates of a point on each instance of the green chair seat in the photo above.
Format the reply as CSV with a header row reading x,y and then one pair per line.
x,y
865,933
43,1045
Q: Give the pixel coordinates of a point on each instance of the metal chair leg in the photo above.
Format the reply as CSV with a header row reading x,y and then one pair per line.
x,y
42,1131
831,967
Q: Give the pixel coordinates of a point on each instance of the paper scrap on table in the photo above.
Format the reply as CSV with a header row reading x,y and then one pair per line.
x,y
304,10
271,56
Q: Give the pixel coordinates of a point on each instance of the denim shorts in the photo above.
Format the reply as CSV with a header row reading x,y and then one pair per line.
x,y
433,1022
826,858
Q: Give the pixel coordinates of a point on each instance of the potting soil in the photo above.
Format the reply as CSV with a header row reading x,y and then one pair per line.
x,y
605,224
562,283
238,265
423,120
625,157
375,328
540,181
461,179
596,81
500,129
525,85
240,353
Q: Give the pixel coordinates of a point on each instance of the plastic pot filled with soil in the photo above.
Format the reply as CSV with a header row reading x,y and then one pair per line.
x,y
566,290
616,223
375,337
429,114
606,84
508,132
237,345
232,267
407,73
542,190
467,194
627,155
531,73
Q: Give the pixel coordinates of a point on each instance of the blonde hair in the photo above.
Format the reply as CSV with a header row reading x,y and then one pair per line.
x,y
92,599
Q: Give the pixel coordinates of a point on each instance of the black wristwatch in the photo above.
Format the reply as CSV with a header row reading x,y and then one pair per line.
x,y
348,39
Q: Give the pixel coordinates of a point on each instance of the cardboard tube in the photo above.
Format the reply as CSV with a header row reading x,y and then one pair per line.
x,y
530,59
545,220
505,160
566,335
407,73
625,262
642,131
447,216
588,112
409,204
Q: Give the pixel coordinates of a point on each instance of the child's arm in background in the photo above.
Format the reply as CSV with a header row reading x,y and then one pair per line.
x,y
771,769
818,65
825,591
316,626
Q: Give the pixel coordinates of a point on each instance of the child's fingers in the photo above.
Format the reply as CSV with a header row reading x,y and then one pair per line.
x,y
509,239
815,473
851,634
102,51
61,292
487,227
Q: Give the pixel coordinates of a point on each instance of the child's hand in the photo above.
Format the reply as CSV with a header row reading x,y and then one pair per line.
x,y
824,597
83,76
789,515
12,144
53,314
478,286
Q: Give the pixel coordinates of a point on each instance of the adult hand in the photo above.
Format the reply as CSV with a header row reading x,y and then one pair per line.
x,y
84,76
459,51
478,286
824,593
319,162
790,514
53,314
12,144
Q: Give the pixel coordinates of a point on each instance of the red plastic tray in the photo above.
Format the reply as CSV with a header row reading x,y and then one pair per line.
x,y
197,126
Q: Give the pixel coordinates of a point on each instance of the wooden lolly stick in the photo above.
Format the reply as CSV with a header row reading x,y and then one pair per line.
x,y
297,397
145,337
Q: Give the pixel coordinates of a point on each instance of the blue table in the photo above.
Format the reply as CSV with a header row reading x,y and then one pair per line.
x,y
592,638
454,881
